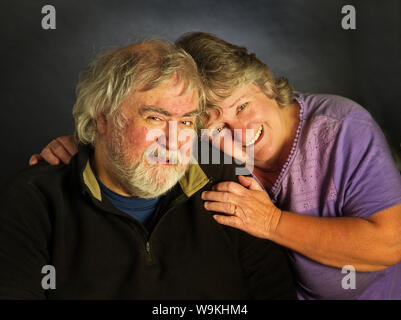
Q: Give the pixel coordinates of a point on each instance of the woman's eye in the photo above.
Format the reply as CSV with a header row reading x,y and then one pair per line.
x,y
242,107
216,131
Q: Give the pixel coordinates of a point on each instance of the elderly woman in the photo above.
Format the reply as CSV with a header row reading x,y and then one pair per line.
x,y
325,185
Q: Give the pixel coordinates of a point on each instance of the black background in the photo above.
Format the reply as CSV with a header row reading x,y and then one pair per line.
x,y
302,40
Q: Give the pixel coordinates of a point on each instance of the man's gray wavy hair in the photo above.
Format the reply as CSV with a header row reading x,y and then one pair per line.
x,y
106,82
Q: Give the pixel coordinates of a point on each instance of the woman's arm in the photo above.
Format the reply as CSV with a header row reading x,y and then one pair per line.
x,y
368,244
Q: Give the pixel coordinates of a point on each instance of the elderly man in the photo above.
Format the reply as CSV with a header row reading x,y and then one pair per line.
x,y
124,219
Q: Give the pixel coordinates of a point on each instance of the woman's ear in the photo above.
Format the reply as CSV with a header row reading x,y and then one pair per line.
x,y
101,124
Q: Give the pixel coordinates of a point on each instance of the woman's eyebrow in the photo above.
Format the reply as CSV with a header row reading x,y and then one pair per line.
x,y
236,101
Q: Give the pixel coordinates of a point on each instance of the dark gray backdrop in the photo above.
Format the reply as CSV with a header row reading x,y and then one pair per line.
x,y
302,40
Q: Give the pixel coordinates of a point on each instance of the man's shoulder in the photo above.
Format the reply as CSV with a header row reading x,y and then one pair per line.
x,y
219,166
42,176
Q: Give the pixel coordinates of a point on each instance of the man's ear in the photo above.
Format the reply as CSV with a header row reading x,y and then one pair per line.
x,y
101,124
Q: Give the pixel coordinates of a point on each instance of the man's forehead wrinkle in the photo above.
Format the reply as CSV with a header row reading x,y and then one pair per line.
x,y
179,84
179,88
171,95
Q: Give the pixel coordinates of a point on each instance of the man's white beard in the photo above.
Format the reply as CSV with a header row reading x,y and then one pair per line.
x,y
143,178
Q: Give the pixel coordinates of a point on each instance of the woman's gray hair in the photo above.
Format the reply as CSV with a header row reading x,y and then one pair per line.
x,y
108,79
226,67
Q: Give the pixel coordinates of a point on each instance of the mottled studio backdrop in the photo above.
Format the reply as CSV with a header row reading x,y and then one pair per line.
x,y
302,40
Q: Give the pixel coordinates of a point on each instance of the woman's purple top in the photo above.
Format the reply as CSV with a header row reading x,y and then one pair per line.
x,y
341,167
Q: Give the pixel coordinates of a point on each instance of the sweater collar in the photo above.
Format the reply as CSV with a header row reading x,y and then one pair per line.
x,y
193,180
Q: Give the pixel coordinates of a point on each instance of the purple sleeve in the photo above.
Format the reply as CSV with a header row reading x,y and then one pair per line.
x,y
369,179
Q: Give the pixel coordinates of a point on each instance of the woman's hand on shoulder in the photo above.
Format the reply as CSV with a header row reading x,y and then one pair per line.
x,y
59,150
246,206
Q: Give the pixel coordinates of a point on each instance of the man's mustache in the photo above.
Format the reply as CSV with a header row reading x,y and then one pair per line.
x,y
161,152
158,154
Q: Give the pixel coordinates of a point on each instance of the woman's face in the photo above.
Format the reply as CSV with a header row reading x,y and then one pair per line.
x,y
249,108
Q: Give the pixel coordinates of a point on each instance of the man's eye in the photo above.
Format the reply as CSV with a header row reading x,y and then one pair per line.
x,y
187,123
154,118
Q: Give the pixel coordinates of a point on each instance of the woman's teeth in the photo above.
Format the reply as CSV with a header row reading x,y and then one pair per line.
x,y
256,137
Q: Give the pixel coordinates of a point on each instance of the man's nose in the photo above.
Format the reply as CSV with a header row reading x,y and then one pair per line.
x,y
171,133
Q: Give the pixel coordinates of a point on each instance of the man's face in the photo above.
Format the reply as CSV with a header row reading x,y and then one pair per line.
x,y
144,156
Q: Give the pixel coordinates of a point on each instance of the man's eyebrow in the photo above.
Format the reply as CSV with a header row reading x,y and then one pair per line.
x,y
153,109
145,109
194,113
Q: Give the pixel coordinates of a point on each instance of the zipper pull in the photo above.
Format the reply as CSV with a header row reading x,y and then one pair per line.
x,y
147,247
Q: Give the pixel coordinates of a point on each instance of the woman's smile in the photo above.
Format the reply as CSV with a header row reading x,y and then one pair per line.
x,y
258,136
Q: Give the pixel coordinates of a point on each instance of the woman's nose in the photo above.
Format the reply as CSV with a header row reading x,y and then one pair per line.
x,y
238,131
